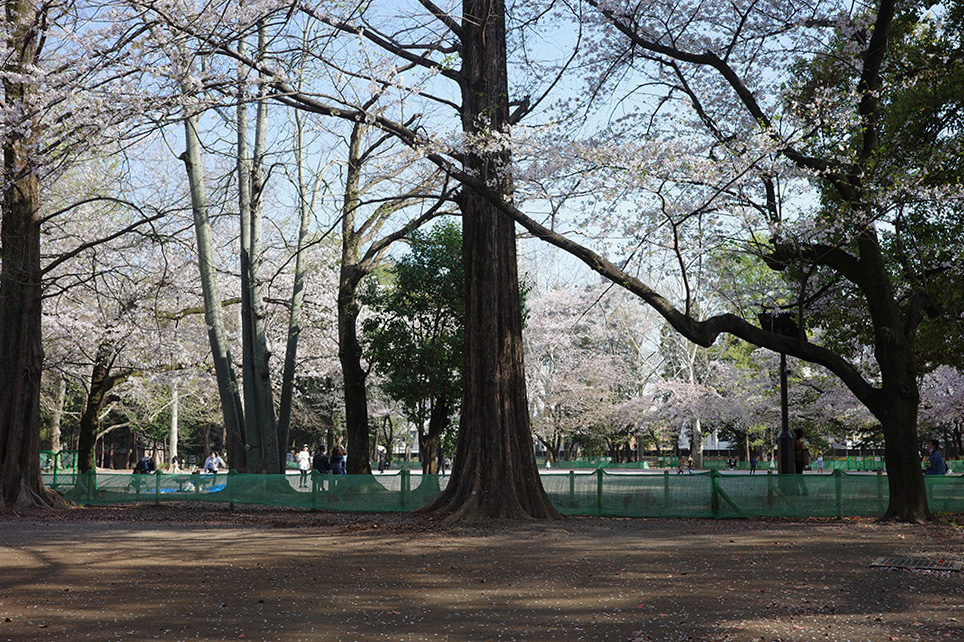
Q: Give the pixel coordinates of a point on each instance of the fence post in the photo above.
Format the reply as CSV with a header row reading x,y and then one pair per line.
x,y
599,488
838,490
715,492
572,486
406,486
314,488
157,487
229,487
769,488
666,487
880,485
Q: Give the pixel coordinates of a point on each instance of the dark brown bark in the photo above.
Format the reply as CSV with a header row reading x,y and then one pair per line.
x,y
349,349
897,400
356,396
101,382
21,350
908,497
494,473
428,441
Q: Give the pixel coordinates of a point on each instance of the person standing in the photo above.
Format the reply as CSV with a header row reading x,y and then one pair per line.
x,y
752,464
798,451
304,465
338,461
320,461
801,459
935,464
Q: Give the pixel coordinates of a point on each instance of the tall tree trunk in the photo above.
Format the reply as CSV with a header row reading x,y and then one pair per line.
x,y
252,432
428,442
349,349
21,349
231,407
172,434
696,443
100,384
258,396
275,449
494,473
895,403
349,354
298,290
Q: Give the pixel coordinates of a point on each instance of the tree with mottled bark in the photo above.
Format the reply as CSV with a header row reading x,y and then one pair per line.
x,y
21,351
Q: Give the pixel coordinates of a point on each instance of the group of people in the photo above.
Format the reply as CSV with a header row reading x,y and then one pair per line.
x,y
320,461
934,463
685,464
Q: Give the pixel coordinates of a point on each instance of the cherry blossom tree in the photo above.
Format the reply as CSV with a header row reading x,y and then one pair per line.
x,y
588,351
736,144
942,405
742,147
69,80
504,483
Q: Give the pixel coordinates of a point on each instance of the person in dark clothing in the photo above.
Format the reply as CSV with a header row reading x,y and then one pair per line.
x,y
935,464
145,465
799,448
338,461
320,461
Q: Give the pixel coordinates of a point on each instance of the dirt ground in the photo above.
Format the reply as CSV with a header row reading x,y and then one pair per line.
x,y
203,572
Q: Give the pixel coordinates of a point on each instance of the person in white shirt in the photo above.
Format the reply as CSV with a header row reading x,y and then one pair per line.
x,y
213,463
304,465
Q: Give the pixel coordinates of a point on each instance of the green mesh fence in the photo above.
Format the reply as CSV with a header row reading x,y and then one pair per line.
x,y
715,494
598,492
63,460
851,464
399,491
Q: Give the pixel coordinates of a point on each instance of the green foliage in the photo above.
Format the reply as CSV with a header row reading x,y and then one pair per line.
x,y
909,181
414,334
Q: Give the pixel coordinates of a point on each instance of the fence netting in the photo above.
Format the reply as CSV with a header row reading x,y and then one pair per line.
x,y
599,492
